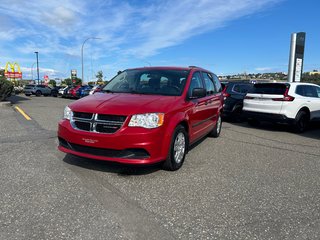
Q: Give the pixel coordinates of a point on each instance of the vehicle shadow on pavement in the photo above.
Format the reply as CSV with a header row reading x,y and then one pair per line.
x,y
112,167
313,130
17,98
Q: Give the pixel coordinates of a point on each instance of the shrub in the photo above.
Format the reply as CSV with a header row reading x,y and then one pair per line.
x,y
6,88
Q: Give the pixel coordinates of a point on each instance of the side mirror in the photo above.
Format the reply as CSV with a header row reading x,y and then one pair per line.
x,y
198,93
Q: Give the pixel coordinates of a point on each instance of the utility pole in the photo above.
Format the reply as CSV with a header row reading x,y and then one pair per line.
x,y
37,65
82,55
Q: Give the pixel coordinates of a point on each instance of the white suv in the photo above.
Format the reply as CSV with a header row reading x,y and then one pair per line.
x,y
294,103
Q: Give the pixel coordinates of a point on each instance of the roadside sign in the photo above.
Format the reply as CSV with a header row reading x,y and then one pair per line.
x,y
296,56
73,74
13,74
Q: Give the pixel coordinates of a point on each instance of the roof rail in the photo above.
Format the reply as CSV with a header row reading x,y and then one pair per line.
x,y
193,67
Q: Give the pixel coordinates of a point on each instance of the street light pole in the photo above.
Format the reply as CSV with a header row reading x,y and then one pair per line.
x,y
37,65
82,55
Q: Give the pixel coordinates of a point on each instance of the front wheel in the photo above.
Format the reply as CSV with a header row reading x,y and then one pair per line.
x,y
178,149
38,93
217,128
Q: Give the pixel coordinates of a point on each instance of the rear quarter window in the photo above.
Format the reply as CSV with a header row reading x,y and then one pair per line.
x,y
318,91
241,88
307,91
268,88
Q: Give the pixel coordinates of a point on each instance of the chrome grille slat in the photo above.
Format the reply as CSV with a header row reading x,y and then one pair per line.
x,y
97,124
109,122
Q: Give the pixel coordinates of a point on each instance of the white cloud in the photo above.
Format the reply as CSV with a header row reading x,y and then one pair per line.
x,y
263,69
57,28
171,22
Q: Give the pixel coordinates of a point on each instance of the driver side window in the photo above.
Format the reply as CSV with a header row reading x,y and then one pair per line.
x,y
196,82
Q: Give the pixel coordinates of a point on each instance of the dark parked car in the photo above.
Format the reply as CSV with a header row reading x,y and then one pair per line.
x,y
65,91
72,92
83,91
55,91
234,93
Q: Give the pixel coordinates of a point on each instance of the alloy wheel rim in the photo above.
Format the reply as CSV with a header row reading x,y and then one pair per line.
x,y
179,147
219,125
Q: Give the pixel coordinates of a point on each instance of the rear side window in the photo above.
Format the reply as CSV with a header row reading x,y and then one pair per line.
x,y
318,91
307,91
209,83
268,88
241,88
196,82
217,83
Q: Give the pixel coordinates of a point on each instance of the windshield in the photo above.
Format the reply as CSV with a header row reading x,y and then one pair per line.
x,y
148,81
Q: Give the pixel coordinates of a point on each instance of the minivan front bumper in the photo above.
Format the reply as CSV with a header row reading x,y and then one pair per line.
x,y
129,145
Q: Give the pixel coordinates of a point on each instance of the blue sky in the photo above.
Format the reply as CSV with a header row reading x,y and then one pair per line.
x,y
224,36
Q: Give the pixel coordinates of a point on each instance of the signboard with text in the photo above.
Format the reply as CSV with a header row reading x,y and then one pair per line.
x,y
296,56
73,74
15,70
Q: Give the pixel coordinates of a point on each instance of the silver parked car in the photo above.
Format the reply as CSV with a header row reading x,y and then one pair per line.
x,y
38,90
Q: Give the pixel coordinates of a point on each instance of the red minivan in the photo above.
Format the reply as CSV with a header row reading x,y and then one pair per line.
x,y
145,116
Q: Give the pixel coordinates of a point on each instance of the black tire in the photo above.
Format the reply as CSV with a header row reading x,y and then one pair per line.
x,y
38,93
178,149
28,95
301,122
236,114
215,132
253,122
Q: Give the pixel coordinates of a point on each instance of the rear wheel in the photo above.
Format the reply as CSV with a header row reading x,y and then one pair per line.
x,y
178,149
236,114
301,122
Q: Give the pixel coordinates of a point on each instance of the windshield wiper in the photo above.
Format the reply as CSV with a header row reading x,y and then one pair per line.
x,y
134,92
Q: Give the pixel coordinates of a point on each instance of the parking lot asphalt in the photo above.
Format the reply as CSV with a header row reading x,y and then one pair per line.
x,y
250,183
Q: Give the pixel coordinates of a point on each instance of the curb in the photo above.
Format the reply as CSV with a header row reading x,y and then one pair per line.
x,y
5,104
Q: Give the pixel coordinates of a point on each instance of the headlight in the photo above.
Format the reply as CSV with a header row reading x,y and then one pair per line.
x,y
148,120
67,114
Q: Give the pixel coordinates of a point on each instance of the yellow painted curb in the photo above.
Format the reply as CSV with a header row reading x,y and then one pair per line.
x,y
22,113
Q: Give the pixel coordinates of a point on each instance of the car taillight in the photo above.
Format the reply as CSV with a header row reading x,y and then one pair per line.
x,y
226,94
286,97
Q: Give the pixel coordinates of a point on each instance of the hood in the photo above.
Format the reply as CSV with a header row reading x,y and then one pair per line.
x,y
124,103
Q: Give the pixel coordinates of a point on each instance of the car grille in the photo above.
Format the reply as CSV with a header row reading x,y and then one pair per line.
x,y
100,123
